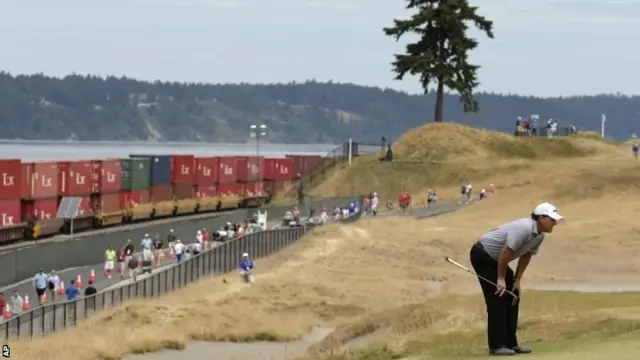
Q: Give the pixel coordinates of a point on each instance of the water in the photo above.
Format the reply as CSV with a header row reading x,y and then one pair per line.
x,y
52,150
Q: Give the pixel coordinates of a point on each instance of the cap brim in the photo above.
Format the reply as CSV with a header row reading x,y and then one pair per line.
x,y
555,216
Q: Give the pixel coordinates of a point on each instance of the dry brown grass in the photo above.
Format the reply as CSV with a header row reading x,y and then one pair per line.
x,y
374,274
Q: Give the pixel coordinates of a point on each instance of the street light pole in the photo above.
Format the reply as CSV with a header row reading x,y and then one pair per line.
x,y
258,131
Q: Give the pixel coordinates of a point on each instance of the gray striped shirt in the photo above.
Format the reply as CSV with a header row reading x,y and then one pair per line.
x,y
521,236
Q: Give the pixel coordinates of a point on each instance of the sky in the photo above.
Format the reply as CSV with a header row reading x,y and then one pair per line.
x,y
541,47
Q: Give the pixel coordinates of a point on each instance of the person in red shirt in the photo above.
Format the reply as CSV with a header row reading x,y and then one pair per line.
x,y
407,202
2,303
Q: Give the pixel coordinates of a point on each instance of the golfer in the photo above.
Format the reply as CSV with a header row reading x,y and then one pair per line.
x,y
490,257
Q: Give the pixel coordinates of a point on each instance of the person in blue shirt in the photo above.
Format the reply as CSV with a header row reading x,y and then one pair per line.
x,y
40,282
72,291
352,209
246,268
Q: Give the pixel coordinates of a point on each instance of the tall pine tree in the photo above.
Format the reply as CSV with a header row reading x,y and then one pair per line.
x,y
441,53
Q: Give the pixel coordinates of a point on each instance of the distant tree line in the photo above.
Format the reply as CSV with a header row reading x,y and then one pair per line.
x,y
94,108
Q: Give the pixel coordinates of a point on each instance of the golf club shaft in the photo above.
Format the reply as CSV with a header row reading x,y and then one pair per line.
x,y
453,262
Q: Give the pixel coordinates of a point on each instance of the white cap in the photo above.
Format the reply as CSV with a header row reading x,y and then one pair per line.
x,y
549,210
245,255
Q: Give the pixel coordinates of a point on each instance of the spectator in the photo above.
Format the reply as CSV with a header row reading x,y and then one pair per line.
x,y
296,214
2,303
199,237
91,289
158,245
179,250
375,202
40,282
16,303
324,215
129,249
171,238
352,209
109,261
72,291
246,268
146,244
634,149
54,284
122,261
89,293
197,248
132,264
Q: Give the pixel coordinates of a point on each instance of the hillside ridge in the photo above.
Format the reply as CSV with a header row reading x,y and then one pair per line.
x,y
94,108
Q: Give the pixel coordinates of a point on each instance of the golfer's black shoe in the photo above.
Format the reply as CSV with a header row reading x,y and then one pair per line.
x,y
503,351
521,350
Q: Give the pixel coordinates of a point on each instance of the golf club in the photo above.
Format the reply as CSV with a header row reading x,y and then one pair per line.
x,y
453,262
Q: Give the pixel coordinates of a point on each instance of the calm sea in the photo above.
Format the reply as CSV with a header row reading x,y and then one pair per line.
x,y
51,150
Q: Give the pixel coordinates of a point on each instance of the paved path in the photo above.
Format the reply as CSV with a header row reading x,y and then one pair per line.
x,y
26,287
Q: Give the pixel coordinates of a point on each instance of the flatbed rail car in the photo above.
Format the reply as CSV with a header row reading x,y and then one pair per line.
x,y
38,229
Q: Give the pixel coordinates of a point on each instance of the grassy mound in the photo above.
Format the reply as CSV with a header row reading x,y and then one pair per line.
x,y
444,141
441,156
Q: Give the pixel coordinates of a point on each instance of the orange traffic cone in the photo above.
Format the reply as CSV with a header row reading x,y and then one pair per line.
x,y
61,289
161,256
43,298
26,306
172,255
7,312
92,276
79,281
139,261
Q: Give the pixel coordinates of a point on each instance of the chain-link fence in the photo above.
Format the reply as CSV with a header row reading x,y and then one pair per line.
x,y
212,262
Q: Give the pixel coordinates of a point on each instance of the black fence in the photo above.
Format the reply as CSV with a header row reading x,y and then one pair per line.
x,y
212,262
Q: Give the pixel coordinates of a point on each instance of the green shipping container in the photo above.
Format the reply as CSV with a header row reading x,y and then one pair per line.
x,y
134,174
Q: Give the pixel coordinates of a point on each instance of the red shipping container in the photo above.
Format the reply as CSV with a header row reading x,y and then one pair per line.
x,y
227,189
86,207
105,176
75,178
252,189
159,193
106,203
10,179
39,180
207,170
267,171
183,191
278,169
283,169
183,169
42,209
206,191
133,198
10,213
249,168
227,170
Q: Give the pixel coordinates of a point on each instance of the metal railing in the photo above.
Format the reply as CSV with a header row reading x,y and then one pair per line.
x,y
212,262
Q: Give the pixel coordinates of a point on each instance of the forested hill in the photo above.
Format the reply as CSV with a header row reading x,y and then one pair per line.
x,y
93,108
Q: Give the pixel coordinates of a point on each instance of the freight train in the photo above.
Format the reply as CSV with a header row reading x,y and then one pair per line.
x,y
139,188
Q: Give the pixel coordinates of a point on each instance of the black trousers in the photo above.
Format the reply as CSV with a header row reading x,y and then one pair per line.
x,y
502,314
